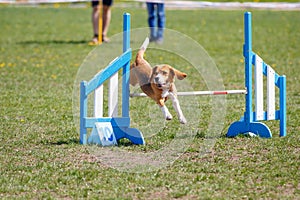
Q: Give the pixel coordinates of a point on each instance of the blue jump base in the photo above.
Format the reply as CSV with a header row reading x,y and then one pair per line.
x,y
248,122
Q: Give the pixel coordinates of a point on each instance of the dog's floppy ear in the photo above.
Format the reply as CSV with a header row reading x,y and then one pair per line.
x,y
153,73
180,75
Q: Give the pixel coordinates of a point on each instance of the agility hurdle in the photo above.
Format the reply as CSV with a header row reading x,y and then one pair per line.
x,y
250,122
113,127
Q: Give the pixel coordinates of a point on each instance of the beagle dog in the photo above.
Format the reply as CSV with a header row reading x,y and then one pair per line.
x,y
157,83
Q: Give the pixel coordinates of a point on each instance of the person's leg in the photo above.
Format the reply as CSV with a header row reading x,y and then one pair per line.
x,y
161,21
95,20
152,20
106,21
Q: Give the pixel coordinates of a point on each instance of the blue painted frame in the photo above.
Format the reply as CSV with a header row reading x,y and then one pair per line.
x,y
248,122
120,124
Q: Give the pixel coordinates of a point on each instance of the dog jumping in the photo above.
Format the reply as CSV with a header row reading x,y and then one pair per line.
x,y
157,82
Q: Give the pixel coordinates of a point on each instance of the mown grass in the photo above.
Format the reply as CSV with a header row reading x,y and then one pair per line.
x,y
41,50
289,1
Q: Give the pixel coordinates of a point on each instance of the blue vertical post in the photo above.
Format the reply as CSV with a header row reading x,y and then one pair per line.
x,y
248,67
126,68
83,113
282,90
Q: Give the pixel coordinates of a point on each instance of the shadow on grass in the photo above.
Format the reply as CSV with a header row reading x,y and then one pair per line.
x,y
125,142
67,142
47,42
122,142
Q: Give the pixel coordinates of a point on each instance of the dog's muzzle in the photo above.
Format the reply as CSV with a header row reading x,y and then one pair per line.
x,y
158,83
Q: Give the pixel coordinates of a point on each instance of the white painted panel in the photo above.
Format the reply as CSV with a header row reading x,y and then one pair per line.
x,y
259,92
271,93
102,134
98,102
113,96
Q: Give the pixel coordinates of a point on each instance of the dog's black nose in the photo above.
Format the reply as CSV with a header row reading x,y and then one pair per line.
x,y
156,79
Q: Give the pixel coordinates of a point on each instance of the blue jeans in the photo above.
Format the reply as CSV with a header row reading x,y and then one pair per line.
x,y
156,20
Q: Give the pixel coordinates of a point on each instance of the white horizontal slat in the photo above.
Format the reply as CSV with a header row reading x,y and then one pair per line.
x,y
198,93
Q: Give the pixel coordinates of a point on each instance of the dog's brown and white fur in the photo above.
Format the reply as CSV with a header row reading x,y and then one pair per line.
x,y
157,82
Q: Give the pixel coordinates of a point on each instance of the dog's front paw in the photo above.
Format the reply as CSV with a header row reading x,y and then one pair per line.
x,y
169,117
166,113
182,120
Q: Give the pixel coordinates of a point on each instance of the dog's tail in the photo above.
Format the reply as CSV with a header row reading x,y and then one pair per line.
x,y
145,44
140,54
139,61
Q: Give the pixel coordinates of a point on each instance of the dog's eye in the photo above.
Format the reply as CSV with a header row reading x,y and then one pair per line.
x,y
164,72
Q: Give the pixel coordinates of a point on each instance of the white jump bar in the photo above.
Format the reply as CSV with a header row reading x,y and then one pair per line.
x,y
198,93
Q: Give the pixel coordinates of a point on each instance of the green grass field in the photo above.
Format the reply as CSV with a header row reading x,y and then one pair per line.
x,y
41,49
252,0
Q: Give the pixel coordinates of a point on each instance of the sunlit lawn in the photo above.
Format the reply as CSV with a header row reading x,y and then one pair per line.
x,y
41,49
